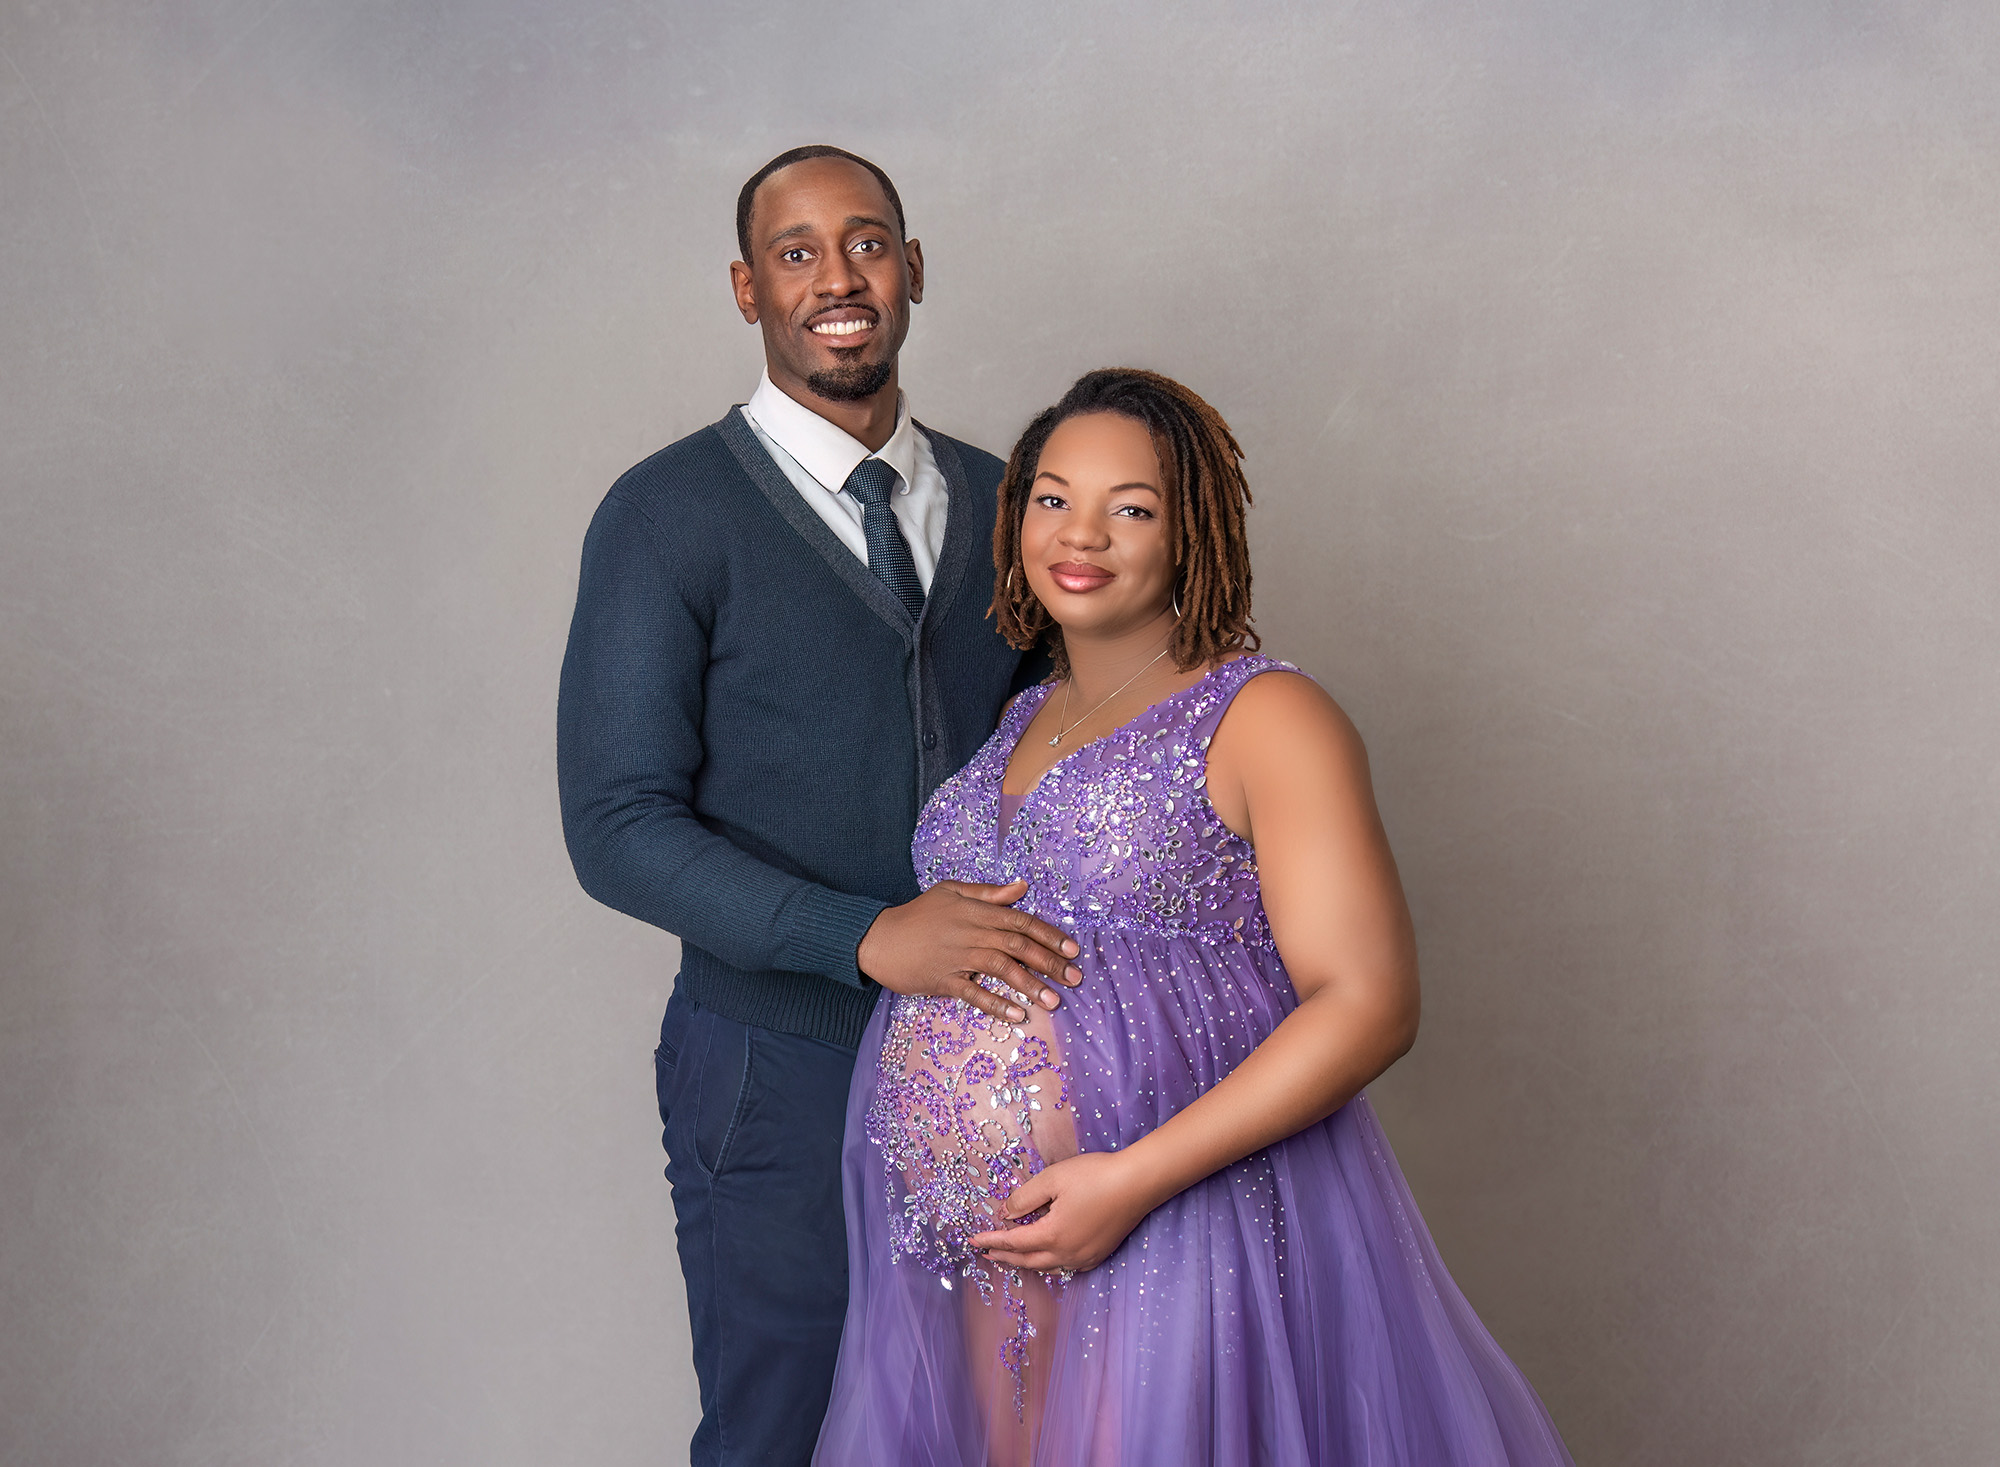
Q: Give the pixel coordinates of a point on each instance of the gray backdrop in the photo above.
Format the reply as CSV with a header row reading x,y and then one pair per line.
x,y
1619,387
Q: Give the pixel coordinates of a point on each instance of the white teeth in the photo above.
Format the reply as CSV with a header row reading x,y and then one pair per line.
x,y
841,328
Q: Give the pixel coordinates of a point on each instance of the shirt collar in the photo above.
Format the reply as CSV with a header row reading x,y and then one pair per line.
x,y
827,452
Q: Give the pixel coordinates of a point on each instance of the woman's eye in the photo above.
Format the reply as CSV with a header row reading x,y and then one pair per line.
x,y
1049,501
1134,511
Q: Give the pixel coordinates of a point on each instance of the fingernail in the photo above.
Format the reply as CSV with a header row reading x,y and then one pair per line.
x,y
1016,1016
1074,975
1049,999
1070,949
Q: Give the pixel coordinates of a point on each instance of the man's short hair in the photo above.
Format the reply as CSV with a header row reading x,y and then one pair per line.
x,y
799,155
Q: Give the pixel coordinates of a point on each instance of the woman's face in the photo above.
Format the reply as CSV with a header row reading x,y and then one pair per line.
x,y
1094,535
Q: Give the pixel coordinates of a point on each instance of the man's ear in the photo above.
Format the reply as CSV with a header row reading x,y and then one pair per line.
x,y
913,252
744,289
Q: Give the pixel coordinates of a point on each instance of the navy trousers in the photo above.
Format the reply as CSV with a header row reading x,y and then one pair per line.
x,y
753,1124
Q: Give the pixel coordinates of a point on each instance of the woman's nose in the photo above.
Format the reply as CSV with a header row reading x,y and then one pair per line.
x,y
1085,532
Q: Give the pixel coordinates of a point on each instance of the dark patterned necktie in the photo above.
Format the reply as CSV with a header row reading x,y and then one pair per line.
x,y
873,483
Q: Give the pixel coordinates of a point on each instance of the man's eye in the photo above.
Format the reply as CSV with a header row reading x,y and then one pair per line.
x,y
792,257
868,246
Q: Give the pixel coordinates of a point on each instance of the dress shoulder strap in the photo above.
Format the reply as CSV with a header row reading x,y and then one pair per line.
x,y
1219,689
1020,708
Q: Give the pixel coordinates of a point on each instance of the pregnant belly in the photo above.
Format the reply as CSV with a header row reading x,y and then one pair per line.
x,y
1158,1019
967,1108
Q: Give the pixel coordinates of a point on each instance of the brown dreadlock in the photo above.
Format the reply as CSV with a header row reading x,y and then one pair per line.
x,y
1206,495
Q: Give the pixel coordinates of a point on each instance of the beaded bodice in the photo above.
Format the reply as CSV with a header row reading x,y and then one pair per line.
x,y
1119,835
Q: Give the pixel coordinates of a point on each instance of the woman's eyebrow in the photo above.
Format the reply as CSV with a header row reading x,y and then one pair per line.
x,y
1115,488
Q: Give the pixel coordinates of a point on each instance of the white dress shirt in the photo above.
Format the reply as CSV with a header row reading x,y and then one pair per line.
x,y
817,457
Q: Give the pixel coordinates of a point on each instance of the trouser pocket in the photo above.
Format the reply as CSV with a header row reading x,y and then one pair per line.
x,y
705,1080
666,1056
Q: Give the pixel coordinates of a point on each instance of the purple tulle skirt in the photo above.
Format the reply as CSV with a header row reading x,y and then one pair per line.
x,y
1290,1309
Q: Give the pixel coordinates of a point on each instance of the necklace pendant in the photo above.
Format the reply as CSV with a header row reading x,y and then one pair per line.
x,y
1054,741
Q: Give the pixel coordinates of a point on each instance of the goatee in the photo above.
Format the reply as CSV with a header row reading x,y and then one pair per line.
x,y
852,382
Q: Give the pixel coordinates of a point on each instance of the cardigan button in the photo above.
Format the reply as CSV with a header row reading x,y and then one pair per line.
x,y
930,740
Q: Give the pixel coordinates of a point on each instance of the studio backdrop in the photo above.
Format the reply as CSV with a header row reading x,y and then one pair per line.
x,y
1618,384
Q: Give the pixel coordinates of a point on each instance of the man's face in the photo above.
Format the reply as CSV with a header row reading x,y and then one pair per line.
x,y
828,280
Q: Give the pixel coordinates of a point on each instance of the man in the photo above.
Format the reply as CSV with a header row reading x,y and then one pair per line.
x,y
780,649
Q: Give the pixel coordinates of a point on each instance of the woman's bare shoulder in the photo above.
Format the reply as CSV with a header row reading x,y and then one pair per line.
x,y
1284,743
1282,708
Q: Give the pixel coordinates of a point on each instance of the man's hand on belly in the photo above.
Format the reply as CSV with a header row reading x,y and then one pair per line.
x,y
933,946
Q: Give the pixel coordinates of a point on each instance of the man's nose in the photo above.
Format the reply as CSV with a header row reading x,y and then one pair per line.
x,y
838,275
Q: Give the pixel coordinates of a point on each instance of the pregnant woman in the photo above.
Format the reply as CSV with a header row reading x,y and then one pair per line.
x,y
1156,1225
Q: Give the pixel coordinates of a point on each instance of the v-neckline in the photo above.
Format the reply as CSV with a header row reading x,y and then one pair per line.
x,y
1000,785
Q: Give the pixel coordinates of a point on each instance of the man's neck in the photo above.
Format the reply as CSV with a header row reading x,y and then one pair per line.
x,y
869,421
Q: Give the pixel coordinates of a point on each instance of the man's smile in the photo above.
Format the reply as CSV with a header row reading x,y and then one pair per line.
x,y
843,324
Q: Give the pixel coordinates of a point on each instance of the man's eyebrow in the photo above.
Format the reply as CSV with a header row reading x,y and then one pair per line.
x,y
853,221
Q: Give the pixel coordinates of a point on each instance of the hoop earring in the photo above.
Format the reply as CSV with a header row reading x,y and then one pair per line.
x,y
1007,586
1175,596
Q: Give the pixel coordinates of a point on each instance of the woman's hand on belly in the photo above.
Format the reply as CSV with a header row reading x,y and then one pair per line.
x,y
1094,1200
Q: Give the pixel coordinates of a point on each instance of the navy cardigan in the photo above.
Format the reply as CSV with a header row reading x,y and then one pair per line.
x,y
749,721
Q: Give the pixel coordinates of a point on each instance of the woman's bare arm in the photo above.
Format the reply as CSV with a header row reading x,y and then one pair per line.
x,y
1288,772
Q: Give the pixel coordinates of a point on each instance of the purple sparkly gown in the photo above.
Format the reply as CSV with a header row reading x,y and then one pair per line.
x,y
1290,1309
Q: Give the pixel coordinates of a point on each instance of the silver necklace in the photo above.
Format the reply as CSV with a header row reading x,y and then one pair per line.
x,y
1064,726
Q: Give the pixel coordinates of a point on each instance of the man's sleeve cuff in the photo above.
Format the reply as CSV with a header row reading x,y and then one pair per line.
x,y
827,933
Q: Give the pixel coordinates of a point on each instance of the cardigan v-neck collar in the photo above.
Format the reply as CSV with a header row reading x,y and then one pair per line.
x,y
959,531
